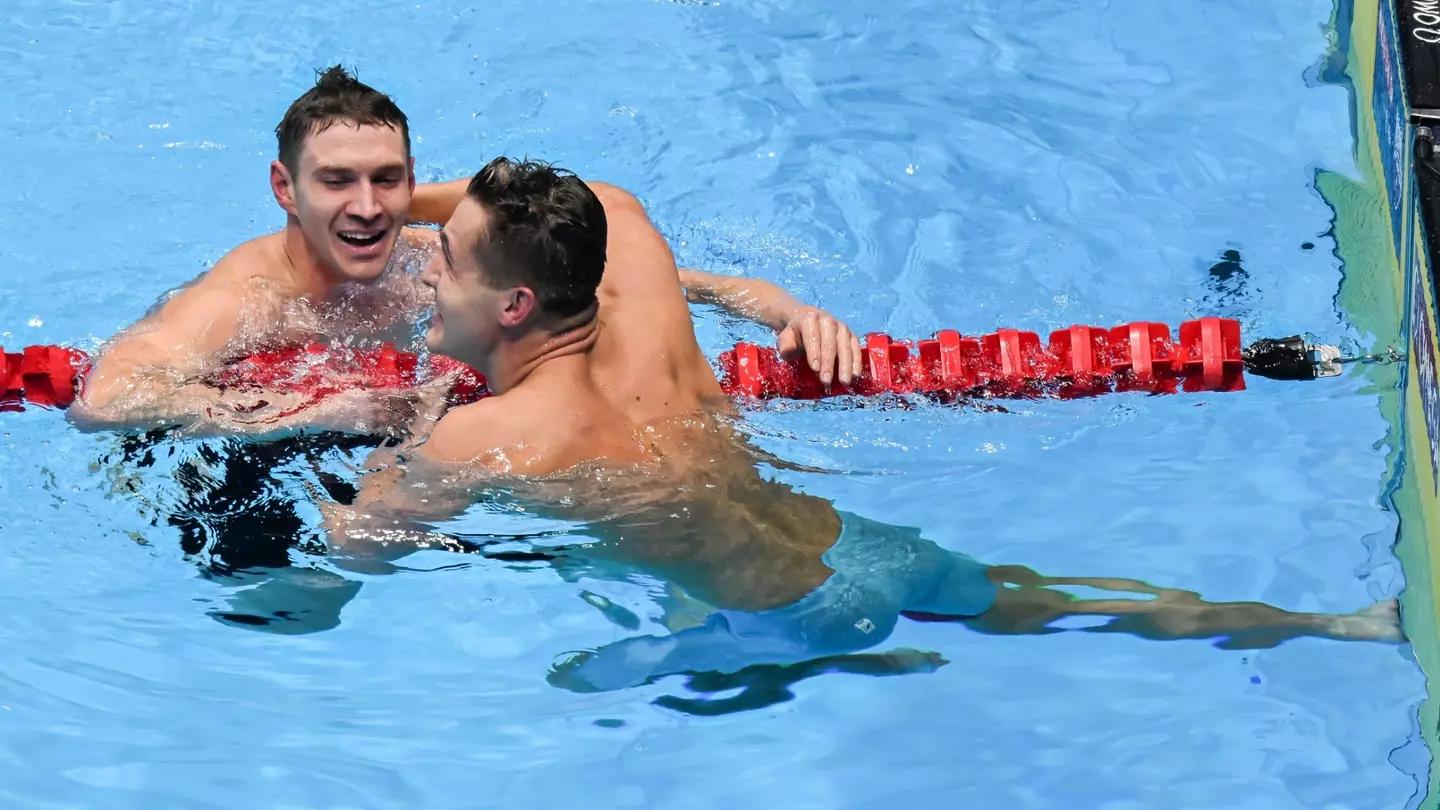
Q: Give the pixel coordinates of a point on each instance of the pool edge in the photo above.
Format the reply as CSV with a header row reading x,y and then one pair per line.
x,y
1388,294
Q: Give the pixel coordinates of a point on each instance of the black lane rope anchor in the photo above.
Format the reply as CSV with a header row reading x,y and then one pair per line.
x,y
1291,358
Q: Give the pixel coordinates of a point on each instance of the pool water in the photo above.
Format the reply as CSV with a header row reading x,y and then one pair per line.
x,y
912,166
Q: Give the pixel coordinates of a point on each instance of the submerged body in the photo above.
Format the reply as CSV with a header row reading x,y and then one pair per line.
x,y
606,413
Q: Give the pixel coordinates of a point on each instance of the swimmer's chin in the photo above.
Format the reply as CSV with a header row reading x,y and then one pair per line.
x,y
435,342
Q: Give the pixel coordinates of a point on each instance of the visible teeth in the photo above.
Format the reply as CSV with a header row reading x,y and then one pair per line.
x,y
361,238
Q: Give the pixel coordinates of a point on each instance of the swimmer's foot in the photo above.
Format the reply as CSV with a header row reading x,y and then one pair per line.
x,y
906,661
1378,622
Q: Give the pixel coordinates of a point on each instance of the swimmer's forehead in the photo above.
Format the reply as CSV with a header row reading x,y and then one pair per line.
x,y
349,147
467,226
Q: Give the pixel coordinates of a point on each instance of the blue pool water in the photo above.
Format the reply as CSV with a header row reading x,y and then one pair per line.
x,y
913,165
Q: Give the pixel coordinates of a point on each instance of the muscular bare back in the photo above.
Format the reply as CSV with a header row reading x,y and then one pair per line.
x,y
637,386
613,417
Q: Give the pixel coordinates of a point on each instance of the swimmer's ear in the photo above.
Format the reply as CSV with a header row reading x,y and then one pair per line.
x,y
412,174
283,187
519,303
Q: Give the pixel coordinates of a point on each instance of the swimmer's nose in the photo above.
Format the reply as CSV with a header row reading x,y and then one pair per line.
x,y
365,205
431,274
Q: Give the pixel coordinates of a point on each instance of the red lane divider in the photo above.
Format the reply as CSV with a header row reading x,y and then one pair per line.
x,y
52,376
41,375
1080,361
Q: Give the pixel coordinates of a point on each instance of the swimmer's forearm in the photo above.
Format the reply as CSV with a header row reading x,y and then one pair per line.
x,y
141,404
196,409
435,202
162,416
749,298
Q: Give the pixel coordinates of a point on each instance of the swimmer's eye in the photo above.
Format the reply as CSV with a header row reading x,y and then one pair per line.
x,y
387,181
335,182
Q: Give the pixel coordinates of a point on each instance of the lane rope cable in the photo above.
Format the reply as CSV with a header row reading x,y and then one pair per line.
x,y
1080,361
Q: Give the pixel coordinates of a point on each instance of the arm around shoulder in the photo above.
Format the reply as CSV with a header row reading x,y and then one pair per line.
x,y
436,202
469,434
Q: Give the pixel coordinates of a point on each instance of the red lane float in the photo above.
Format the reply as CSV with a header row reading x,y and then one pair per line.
x,y
321,371
1080,361
41,375
52,376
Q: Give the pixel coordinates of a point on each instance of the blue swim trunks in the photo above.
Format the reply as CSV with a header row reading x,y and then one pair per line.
x,y
880,571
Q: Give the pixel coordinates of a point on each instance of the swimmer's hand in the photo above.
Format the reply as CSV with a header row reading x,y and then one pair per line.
x,y
384,412
830,349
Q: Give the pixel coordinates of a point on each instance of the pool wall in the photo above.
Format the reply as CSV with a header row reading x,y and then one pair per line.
x,y
1385,228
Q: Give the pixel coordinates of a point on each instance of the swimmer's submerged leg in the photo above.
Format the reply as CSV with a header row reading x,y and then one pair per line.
x,y
715,660
638,660
764,685
1027,603
715,650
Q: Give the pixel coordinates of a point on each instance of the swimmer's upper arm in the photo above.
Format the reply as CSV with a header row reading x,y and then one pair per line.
x,y
179,337
637,255
471,434
435,202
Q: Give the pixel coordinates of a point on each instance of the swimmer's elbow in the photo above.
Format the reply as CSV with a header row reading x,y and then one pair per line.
x,y
94,415
113,398
101,408
83,419
92,408
110,374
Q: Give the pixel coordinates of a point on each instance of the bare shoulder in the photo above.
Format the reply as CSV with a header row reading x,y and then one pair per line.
x,y
628,222
474,433
262,257
521,433
638,260
641,297
616,198
244,274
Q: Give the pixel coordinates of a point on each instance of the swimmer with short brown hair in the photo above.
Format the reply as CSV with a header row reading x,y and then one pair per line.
x,y
605,411
337,272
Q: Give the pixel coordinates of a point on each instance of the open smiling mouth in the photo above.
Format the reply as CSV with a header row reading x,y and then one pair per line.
x,y
361,239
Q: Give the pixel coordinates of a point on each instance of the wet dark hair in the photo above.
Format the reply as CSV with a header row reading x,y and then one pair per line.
x,y
336,97
547,228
